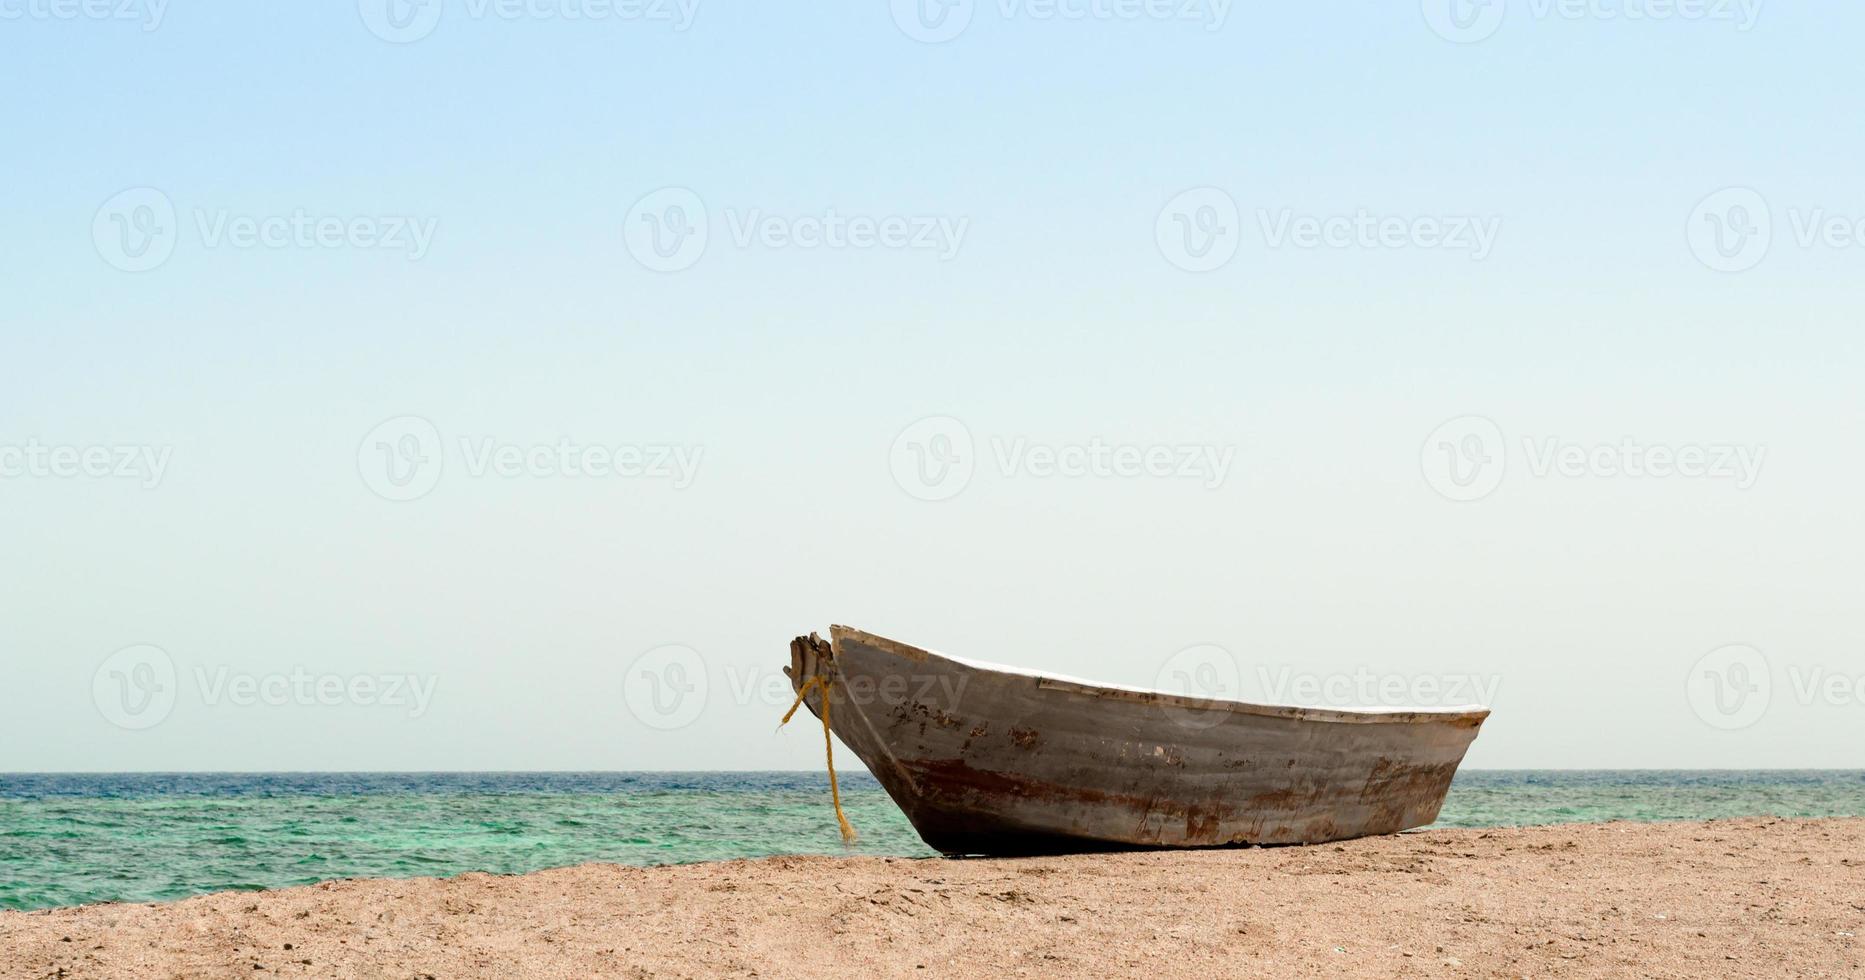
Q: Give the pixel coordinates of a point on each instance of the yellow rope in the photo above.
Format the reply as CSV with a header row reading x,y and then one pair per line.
x,y
820,682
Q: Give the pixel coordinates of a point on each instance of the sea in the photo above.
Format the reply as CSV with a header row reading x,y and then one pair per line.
x,y
68,839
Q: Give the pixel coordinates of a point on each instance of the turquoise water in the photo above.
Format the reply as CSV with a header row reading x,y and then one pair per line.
x,y
67,839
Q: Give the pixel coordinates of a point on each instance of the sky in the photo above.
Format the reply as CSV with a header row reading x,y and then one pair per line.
x,y
481,385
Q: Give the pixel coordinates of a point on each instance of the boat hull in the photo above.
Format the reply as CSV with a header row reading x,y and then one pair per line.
x,y
986,761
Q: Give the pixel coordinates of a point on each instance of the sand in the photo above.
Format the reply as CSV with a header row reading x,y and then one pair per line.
x,y
1754,897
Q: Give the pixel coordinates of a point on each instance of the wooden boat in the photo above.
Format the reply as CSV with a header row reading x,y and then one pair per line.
x,y
987,759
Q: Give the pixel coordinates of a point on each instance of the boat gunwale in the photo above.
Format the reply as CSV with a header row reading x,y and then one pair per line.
x,y
1472,715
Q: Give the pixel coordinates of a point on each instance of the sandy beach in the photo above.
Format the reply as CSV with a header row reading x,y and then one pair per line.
x,y
1751,897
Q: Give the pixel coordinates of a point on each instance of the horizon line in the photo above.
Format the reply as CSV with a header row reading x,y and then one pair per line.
x,y
671,772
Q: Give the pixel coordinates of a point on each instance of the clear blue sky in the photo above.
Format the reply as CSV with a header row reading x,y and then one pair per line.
x,y
1058,145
